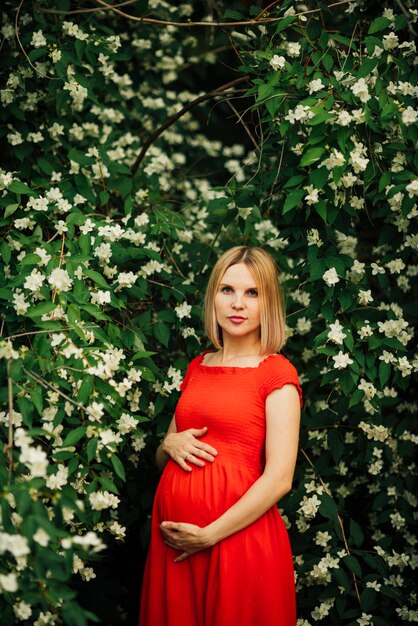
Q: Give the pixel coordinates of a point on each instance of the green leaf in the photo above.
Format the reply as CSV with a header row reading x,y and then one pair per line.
x,y
384,373
284,22
356,533
41,309
378,24
10,209
97,278
30,259
368,598
85,390
336,444
118,466
18,187
293,199
74,436
5,252
36,397
353,565
162,333
311,156
91,448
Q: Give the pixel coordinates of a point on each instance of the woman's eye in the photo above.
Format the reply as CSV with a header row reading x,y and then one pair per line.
x,y
226,289
252,292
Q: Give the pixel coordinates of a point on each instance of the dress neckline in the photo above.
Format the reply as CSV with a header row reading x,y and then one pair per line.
x,y
232,367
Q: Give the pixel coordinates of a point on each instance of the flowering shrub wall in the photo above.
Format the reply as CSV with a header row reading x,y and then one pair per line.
x,y
121,182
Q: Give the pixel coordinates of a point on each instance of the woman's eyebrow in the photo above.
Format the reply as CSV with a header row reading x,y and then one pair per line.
x,y
232,287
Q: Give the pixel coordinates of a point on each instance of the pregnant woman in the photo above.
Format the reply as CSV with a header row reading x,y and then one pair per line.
x,y
220,553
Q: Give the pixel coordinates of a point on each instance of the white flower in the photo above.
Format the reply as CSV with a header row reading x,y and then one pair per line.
x,y
309,506
126,423
331,277
412,188
313,238
126,279
95,411
315,85
103,500
409,116
322,538
183,310
364,297
15,544
336,333
313,195
100,297
244,212
38,40
7,351
341,360
361,90
293,49
60,280
22,610
391,41
41,537
35,459
368,388
300,114
335,159
343,118
277,62
34,281
365,619
8,582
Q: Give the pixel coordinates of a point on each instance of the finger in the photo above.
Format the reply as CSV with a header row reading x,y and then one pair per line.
x,y
182,557
167,525
198,432
206,447
191,458
204,454
182,462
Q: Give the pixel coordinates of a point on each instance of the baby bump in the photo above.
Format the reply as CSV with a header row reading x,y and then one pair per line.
x,y
202,495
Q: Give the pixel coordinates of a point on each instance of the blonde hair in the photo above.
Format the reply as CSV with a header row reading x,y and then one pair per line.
x,y
272,313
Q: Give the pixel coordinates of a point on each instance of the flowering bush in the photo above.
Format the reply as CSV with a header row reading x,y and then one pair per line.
x,y
116,199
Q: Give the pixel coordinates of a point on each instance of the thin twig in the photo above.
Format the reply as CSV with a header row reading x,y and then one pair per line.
x,y
339,520
253,22
241,121
408,17
81,11
173,118
41,381
50,330
23,49
8,448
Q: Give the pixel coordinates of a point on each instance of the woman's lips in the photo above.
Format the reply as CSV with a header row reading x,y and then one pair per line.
x,y
236,319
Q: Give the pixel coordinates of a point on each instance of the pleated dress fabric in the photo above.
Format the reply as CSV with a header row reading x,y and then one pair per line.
x,y
248,578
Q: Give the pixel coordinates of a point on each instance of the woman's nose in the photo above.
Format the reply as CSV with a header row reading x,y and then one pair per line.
x,y
238,302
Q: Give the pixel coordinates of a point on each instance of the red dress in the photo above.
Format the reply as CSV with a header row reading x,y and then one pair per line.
x,y
247,579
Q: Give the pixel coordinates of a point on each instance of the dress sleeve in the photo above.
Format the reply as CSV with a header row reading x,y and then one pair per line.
x,y
279,372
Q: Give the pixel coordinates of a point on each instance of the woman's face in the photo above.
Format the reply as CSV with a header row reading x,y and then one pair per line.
x,y
237,303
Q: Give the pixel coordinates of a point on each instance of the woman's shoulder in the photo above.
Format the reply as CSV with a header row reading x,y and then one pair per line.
x,y
278,361
275,372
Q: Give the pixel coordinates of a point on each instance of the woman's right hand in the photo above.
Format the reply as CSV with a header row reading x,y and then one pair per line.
x,y
184,447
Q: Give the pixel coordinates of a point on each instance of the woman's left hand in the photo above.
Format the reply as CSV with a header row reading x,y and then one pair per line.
x,y
188,538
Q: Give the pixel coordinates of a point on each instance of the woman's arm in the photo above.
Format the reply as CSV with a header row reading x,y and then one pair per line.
x,y
184,446
282,435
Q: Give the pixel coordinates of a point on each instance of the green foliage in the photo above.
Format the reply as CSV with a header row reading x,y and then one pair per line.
x,y
105,265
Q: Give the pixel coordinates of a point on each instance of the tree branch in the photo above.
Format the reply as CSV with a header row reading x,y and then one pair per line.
x,y
254,22
173,118
8,448
408,17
